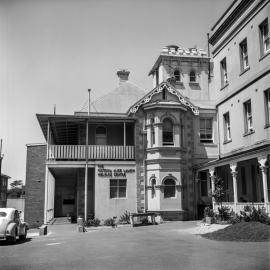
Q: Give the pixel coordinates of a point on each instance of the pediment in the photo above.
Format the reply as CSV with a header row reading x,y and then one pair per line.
x,y
156,91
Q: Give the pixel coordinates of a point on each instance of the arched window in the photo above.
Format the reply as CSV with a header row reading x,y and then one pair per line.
x,y
152,132
176,74
153,188
169,188
192,76
101,135
167,135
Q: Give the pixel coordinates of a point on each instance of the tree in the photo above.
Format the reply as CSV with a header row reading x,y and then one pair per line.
x,y
16,184
219,190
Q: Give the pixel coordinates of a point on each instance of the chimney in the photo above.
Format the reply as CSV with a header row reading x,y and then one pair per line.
x,y
123,75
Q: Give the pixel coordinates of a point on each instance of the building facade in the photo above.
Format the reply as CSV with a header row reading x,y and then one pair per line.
x,y
161,150
241,88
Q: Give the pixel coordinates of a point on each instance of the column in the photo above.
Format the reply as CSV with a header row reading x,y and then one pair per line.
x,y
233,168
46,194
125,140
263,167
86,173
48,138
212,179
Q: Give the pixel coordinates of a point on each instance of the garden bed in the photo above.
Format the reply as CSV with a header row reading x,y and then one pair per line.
x,y
243,231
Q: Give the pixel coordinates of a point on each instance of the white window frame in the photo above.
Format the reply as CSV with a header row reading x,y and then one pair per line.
x,y
248,116
224,72
117,188
244,55
227,127
264,37
205,132
267,106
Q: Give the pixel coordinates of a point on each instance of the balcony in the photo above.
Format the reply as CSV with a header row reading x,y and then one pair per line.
x,y
95,152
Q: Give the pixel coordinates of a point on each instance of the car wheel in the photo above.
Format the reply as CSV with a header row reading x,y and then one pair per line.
x,y
23,236
12,240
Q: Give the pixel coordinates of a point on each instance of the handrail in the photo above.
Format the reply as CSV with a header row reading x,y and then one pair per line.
x,y
78,152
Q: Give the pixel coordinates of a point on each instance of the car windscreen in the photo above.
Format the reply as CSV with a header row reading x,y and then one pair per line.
x,y
3,214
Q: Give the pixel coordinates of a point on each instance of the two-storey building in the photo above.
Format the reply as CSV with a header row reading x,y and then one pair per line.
x,y
133,152
241,88
3,190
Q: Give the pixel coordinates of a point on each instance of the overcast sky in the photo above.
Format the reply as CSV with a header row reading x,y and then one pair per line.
x,y
52,51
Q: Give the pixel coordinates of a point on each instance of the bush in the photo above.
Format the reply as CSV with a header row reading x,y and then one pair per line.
x,y
252,214
208,212
93,222
109,222
224,212
234,219
125,218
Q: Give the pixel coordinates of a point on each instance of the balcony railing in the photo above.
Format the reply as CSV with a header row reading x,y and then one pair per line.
x,y
78,152
240,206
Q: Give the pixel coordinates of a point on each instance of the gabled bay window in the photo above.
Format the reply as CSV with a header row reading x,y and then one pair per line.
x,y
167,132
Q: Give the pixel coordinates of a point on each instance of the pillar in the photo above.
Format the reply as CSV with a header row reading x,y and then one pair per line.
x,y
212,179
263,167
86,174
46,194
124,140
233,168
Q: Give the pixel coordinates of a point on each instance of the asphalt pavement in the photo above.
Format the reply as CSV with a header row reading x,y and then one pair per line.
x,y
164,246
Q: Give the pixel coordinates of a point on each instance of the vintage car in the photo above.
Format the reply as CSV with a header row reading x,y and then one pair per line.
x,y
11,226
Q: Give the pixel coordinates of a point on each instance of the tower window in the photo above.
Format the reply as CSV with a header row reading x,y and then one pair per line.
x,y
167,136
176,74
192,77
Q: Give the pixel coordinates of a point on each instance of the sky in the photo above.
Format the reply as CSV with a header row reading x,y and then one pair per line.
x,y
52,51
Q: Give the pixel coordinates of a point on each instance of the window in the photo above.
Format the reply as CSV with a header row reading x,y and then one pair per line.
x,y
206,130
153,188
243,55
118,188
223,70
152,132
192,77
176,74
227,127
264,37
167,132
169,188
203,181
101,135
157,77
267,106
248,116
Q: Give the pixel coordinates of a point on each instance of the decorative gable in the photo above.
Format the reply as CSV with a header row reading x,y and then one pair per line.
x,y
146,99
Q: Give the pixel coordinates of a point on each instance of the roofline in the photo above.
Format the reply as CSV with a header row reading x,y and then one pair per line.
x,y
223,14
173,56
35,144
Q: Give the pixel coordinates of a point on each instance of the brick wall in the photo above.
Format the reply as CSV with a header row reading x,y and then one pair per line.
x,y
140,144
35,185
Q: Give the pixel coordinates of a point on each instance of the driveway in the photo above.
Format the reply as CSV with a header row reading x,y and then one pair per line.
x,y
164,246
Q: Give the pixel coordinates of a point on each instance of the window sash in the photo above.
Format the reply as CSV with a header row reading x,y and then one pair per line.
x,y
265,38
227,127
118,188
244,54
224,74
206,130
248,115
267,106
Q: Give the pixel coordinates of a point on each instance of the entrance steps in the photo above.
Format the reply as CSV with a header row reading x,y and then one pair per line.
x,y
60,221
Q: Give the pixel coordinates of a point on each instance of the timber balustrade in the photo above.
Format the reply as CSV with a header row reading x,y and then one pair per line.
x,y
77,152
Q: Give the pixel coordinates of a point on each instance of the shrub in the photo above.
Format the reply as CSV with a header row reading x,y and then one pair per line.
x,y
93,222
208,212
125,218
234,219
108,222
252,214
224,212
